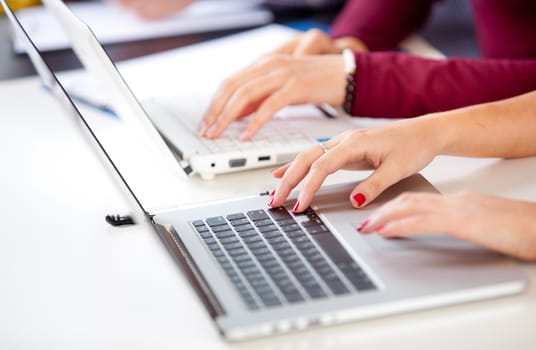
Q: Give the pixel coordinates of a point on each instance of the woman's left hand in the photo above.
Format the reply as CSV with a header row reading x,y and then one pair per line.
x,y
268,85
500,224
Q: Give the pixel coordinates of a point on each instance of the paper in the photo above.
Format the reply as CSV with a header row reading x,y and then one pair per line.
x,y
112,23
192,70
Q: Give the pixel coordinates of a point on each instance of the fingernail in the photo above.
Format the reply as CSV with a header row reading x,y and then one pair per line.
x,y
272,194
360,198
212,130
363,225
202,129
245,135
271,201
296,207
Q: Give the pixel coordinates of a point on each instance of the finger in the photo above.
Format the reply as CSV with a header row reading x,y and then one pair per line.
x,y
405,205
288,47
319,170
295,171
279,172
416,224
163,9
313,42
231,84
250,94
387,174
279,99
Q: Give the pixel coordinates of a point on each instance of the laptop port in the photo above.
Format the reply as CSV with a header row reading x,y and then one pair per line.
x,y
263,158
237,163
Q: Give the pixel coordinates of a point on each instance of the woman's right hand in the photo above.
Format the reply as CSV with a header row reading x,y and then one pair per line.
x,y
316,42
394,151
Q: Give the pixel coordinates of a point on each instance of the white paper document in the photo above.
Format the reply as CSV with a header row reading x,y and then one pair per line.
x,y
112,23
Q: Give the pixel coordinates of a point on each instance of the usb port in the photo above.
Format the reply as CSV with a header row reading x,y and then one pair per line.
x,y
237,163
263,158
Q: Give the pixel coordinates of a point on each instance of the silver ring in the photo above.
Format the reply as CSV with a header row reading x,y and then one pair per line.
x,y
324,147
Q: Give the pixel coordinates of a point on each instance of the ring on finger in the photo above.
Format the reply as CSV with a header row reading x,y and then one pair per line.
x,y
324,147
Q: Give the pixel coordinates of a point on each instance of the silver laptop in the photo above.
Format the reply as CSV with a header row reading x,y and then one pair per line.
x,y
287,134
261,271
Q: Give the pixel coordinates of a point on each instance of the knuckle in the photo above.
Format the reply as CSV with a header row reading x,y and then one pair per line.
x,y
301,158
315,33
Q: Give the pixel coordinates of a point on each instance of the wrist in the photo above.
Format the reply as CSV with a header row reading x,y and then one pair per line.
x,y
350,77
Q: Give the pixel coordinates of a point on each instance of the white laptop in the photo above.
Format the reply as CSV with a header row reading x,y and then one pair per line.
x,y
261,271
289,133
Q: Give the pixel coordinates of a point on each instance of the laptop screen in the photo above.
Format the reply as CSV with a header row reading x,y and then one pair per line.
x,y
54,86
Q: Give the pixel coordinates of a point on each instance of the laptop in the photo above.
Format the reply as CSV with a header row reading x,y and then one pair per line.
x,y
290,132
262,271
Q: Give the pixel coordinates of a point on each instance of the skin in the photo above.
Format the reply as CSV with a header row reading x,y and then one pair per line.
x,y
307,69
155,9
394,151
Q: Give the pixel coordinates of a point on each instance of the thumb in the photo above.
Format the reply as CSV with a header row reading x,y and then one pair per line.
x,y
377,182
314,42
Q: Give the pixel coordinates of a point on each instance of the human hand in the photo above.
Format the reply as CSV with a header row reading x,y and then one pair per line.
x,y
500,224
395,151
316,42
268,85
155,9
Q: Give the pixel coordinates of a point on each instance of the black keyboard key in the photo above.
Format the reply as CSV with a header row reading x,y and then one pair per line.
x,y
333,248
286,222
318,229
220,228
289,228
279,213
264,222
272,234
224,234
242,228
239,222
202,228
312,222
252,239
236,216
268,228
248,233
298,234
337,287
257,215
216,221
206,234
197,223
229,239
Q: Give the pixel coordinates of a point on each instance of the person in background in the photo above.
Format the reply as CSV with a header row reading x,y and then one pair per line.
x,y
396,150
387,84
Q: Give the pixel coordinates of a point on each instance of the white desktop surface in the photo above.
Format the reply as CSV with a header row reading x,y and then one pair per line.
x,y
68,280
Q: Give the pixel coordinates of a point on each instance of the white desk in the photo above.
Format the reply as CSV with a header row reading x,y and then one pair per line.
x,y
70,281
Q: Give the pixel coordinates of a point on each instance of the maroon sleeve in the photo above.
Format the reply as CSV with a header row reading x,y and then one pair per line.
x,y
400,85
381,24
506,29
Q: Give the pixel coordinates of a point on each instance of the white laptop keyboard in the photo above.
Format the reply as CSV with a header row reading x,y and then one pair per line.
x,y
189,114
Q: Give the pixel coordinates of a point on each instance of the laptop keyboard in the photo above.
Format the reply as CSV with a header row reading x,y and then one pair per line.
x,y
272,259
268,136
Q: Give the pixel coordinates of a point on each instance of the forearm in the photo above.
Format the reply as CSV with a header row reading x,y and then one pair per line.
x,y
504,128
381,24
394,85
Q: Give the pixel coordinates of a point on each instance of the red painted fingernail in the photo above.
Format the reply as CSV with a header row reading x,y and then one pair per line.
x,y
379,228
296,207
360,198
272,193
363,225
270,202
